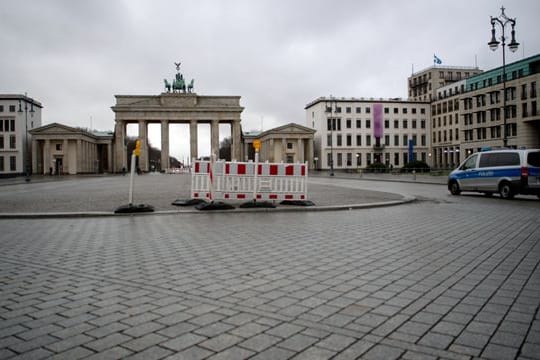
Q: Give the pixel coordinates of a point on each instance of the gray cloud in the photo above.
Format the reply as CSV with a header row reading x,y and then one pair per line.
x,y
74,56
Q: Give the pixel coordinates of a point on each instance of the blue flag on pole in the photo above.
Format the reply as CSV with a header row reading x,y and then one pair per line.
x,y
436,60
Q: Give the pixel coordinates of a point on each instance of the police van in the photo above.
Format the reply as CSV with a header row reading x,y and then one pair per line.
x,y
507,172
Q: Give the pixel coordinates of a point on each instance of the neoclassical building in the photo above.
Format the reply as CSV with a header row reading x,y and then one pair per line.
x,y
59,149
169,108
288,143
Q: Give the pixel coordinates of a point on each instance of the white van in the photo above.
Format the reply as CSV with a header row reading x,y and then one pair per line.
x,y
507,172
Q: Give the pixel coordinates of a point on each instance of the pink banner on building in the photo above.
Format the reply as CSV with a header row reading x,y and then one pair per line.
x,y
378,120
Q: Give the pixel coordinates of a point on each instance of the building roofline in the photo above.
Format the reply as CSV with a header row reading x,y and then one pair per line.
x,y
363,99
21,97
445,67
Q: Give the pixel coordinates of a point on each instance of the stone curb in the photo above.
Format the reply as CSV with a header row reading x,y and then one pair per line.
x,y
82,214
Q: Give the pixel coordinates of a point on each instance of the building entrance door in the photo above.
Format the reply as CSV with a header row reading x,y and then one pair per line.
x,y
58,166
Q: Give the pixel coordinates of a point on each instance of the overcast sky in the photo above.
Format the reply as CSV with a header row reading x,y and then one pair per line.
x,y
278,55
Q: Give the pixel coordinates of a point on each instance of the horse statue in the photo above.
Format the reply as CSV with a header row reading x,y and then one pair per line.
x,y
179,84
190,86
167,85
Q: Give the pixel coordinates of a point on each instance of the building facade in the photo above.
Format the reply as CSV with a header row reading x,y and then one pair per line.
x,y
170,108
423,85
18,115
290,143
59,149
470,115
353,133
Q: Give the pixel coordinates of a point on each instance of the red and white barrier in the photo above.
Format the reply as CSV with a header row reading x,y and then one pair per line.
x,y
237,181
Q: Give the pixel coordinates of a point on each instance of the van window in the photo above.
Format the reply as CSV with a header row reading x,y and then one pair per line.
x,y
499,159
470,163
533,158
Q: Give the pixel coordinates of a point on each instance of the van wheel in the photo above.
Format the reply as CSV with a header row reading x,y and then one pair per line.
x,y
506,190
454,188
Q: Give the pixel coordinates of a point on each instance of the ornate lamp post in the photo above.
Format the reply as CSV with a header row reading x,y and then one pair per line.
x,y
330,104
26,153
502,21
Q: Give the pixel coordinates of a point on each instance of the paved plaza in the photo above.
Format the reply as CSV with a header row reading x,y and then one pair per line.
x,y
442,277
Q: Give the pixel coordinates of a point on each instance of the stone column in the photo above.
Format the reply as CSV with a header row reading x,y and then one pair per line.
x,y
300,150
284,149
143,158
65,162
120,151
34,157
311,164
193,140
236,134
109,159
79,165
214,136
165,164
46,156
270,155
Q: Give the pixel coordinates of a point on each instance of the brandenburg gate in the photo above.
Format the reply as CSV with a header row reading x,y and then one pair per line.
x,y
177,105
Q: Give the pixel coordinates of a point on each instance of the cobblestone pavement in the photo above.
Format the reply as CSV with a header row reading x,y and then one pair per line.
x,y
106,193
444,277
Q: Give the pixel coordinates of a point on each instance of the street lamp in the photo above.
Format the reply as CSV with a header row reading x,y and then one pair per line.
x,y
330,104
26,157
503,20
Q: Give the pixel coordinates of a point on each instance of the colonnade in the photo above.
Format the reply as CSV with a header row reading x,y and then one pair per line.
x,y
122,157
174,108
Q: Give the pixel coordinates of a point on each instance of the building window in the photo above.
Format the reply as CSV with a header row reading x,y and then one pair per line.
x,y
386,110
338,140
396,140
396,110
12,123
368,140
348,109
368,124
11,108
1,141
396,124
12,163
396,159
358,159
329,140
404,110
12,142
387,140
339,160
414,124
348,123
358,110
329,159
405,140
59,146
423,140
368,110
358,140
349,159
387,124
349,140
329,124
2,163
358,123
1,108
1,125
405,124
